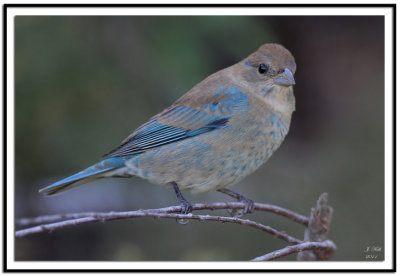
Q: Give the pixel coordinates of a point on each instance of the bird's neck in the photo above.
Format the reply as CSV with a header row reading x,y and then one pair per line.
x,y
281,100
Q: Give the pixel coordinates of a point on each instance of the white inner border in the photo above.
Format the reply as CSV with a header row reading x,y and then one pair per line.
x,y
387,264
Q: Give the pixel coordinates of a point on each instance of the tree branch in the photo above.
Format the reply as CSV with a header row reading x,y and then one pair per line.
x,y
314,247
102,217
327,246
175,209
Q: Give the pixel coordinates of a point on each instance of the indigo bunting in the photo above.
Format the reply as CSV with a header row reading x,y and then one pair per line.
x,y
220,131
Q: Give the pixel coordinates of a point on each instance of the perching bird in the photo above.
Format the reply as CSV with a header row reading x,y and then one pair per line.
x,y
220,131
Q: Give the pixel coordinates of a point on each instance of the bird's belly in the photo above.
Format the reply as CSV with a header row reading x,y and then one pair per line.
x,y
207,162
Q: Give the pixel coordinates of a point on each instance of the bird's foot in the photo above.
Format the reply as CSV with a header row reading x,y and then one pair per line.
x,y
248,203
186,209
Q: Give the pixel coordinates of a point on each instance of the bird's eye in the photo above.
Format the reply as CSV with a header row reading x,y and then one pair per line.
x,y
262,68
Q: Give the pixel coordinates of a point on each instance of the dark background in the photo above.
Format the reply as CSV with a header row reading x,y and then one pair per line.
x,y
84,83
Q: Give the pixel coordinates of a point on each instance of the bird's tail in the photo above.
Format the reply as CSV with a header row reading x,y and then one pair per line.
x,y
93,172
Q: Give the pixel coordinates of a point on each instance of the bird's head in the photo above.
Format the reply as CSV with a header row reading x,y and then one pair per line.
x,y
269,72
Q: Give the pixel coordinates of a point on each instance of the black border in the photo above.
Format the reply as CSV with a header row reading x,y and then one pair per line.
x,y
5,6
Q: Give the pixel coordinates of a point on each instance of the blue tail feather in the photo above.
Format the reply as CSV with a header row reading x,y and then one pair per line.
x,y
84,176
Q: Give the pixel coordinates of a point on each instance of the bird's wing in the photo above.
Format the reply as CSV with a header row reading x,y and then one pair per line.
x,y
182,120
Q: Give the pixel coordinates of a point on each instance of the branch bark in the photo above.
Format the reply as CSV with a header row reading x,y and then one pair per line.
x,y
315,246
317,231
102,217
174,209
327,246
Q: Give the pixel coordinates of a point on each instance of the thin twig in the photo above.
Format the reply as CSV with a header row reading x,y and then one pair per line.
x,y
51,218
326,245
173,209
101,217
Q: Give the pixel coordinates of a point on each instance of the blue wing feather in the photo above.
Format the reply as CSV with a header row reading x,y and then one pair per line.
x,y
191,115
155,134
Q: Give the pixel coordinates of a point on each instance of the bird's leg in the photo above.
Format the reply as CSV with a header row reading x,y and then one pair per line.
x,y
249,203
186,206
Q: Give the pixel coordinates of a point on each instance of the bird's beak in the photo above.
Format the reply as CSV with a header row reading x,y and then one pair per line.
x,y
286,78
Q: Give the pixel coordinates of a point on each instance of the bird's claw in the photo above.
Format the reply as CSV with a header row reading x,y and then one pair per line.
x,y
186,208
248,205
248,208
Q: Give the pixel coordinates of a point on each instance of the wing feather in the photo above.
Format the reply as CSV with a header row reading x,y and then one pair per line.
x,y
193,114
155,134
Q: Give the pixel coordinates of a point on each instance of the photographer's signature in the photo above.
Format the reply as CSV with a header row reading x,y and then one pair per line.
x,y
372,252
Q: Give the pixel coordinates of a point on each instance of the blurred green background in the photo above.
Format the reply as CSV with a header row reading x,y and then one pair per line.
x,y
84,83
